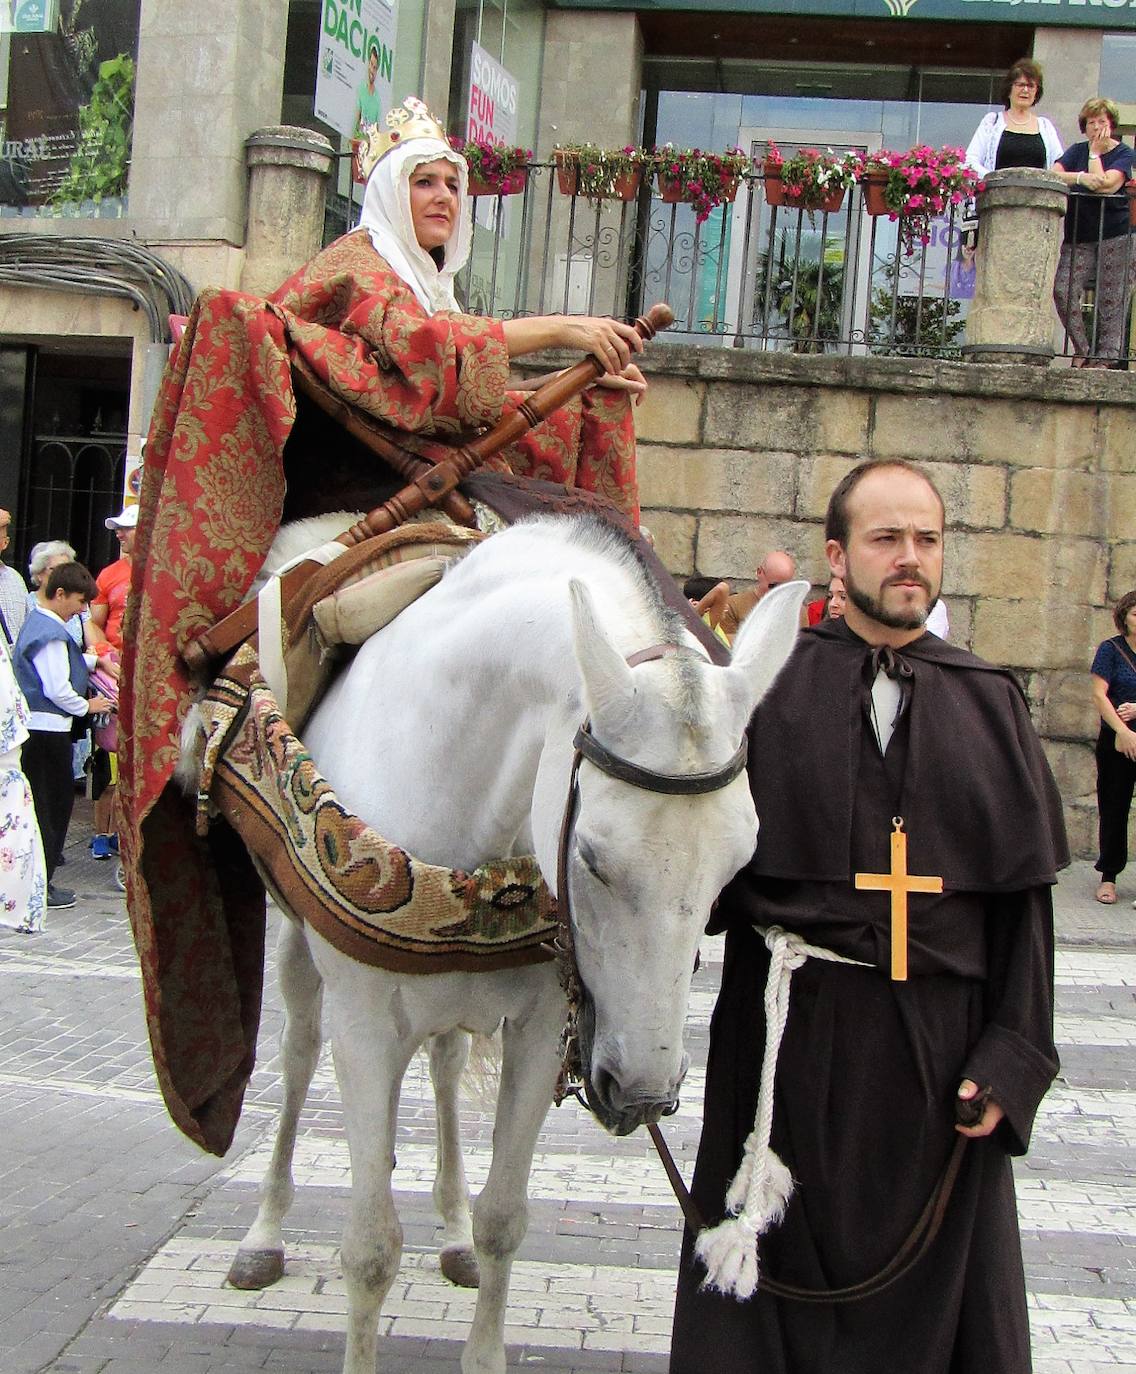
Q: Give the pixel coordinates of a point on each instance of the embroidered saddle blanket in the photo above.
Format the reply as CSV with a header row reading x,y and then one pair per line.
x,y
364,894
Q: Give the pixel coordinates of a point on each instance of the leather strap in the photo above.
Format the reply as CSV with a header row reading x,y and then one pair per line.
x,y
909,1254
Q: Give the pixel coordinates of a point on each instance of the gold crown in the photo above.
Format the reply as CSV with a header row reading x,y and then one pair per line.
x,y
409,120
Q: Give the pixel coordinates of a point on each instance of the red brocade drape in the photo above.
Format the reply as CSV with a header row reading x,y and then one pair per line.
x,y
212,495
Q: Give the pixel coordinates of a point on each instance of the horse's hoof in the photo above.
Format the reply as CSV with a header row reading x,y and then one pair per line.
x,y
256,1268
459,1264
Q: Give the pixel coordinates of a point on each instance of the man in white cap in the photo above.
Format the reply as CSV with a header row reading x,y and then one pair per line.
x,y
107,610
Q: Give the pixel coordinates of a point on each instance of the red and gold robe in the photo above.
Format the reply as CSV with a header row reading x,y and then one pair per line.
x,y
212,494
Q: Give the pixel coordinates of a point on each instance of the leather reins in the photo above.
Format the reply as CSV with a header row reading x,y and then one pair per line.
x,y
571,1080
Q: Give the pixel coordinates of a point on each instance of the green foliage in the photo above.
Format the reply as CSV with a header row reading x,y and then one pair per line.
x,y
917,330
810,306
101,163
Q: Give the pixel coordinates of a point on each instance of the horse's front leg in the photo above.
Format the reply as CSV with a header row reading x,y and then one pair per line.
x,y
260,1259
449,1054
370,1060
500,1214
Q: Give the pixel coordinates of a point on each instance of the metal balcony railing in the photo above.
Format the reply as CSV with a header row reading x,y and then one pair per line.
x,y
754,275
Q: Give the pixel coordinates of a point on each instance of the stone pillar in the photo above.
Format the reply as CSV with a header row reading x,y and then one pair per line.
x,y
437,54
1021,215
287,170
209,73
1070,61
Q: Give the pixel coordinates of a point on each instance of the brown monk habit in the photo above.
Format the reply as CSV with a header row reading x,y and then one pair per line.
x,y
869,1068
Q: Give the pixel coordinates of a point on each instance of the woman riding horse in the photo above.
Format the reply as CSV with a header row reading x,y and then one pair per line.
x,y
373,318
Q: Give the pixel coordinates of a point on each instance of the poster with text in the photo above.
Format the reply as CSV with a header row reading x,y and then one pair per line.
x,y
492,117
355,63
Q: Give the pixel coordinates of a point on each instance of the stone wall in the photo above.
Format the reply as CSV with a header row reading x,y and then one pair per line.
x,y
739,452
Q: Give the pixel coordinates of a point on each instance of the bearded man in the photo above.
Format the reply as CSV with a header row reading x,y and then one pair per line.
x,y
910,834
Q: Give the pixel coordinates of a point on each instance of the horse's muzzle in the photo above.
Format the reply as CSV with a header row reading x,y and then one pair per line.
x,y
619,1108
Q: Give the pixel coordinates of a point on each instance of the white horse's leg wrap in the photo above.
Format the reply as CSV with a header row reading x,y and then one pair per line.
x,y
762,1186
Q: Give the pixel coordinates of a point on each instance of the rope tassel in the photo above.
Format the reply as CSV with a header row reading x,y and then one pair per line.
x,y
762,1186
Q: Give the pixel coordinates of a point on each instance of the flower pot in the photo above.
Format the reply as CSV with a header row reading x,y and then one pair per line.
x,y
875,194
671,192
625,187
776,193
512,184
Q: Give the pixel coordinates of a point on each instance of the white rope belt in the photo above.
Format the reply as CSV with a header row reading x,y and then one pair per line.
x,y
762,1186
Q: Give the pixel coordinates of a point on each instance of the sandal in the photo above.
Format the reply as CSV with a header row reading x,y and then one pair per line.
x,y
1106,894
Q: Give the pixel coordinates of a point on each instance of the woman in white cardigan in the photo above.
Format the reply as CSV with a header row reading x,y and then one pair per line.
x,y
1016,136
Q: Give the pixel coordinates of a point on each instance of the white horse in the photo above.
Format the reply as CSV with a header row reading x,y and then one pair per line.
x,y
451,733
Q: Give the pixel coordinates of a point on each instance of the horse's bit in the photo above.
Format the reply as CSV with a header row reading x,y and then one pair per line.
x,y
571,1081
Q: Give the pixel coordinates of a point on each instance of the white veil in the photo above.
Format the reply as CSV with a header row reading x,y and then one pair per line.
x,y
386,217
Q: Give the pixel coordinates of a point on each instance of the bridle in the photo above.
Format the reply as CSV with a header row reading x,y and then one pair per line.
x,y
571,1081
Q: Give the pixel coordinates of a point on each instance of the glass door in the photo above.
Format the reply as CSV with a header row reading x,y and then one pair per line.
x,y
800,281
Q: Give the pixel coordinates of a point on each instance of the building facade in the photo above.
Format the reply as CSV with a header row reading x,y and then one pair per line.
x,y
140,143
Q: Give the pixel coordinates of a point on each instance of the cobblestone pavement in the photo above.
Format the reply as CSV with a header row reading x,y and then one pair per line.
x,y
117,1232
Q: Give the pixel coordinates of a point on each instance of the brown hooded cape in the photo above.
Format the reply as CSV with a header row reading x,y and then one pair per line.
x,y
869,1068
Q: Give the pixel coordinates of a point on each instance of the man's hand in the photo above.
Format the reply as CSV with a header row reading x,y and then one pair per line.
x,y
991,1115
97,705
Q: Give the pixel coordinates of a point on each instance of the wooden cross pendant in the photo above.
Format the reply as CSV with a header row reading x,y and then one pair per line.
x,y
899,883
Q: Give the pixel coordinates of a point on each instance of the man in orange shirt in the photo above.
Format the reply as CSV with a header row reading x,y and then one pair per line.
x,y
107,610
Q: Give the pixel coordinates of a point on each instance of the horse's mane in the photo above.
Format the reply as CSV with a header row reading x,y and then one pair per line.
x,y
608,542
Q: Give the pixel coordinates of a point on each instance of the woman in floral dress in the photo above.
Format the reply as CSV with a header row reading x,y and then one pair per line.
x,y
23,878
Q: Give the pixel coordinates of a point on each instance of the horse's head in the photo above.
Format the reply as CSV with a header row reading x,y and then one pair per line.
x,y
644,866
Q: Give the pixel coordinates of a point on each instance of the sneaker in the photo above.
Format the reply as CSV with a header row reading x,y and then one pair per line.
x,y
59,897
100,846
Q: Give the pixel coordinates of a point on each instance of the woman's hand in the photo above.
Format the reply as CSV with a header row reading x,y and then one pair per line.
x,y
1126,744
610,342
630,379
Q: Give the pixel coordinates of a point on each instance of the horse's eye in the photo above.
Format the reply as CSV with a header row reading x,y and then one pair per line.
x,y
588,859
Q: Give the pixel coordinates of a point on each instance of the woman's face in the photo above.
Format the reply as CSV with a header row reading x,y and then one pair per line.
x,y
1130,624
434,202
1098,126
1023,93
837,599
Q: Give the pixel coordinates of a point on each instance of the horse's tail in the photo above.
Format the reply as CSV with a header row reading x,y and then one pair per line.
x,y
482,1077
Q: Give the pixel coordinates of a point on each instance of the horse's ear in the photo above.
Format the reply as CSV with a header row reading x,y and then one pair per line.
x,y
764,642
608,688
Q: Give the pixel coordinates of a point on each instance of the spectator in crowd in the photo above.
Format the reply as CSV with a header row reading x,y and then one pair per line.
x,y
1016,135
726,611
831,605
1096,252
13,592
1114,696
46,555
107,610
53,673
23,879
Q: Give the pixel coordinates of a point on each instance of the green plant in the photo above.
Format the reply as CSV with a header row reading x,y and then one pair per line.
x,y
598,169
494,164
930,327
704,179
809,303
922,183
809,176
101,161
